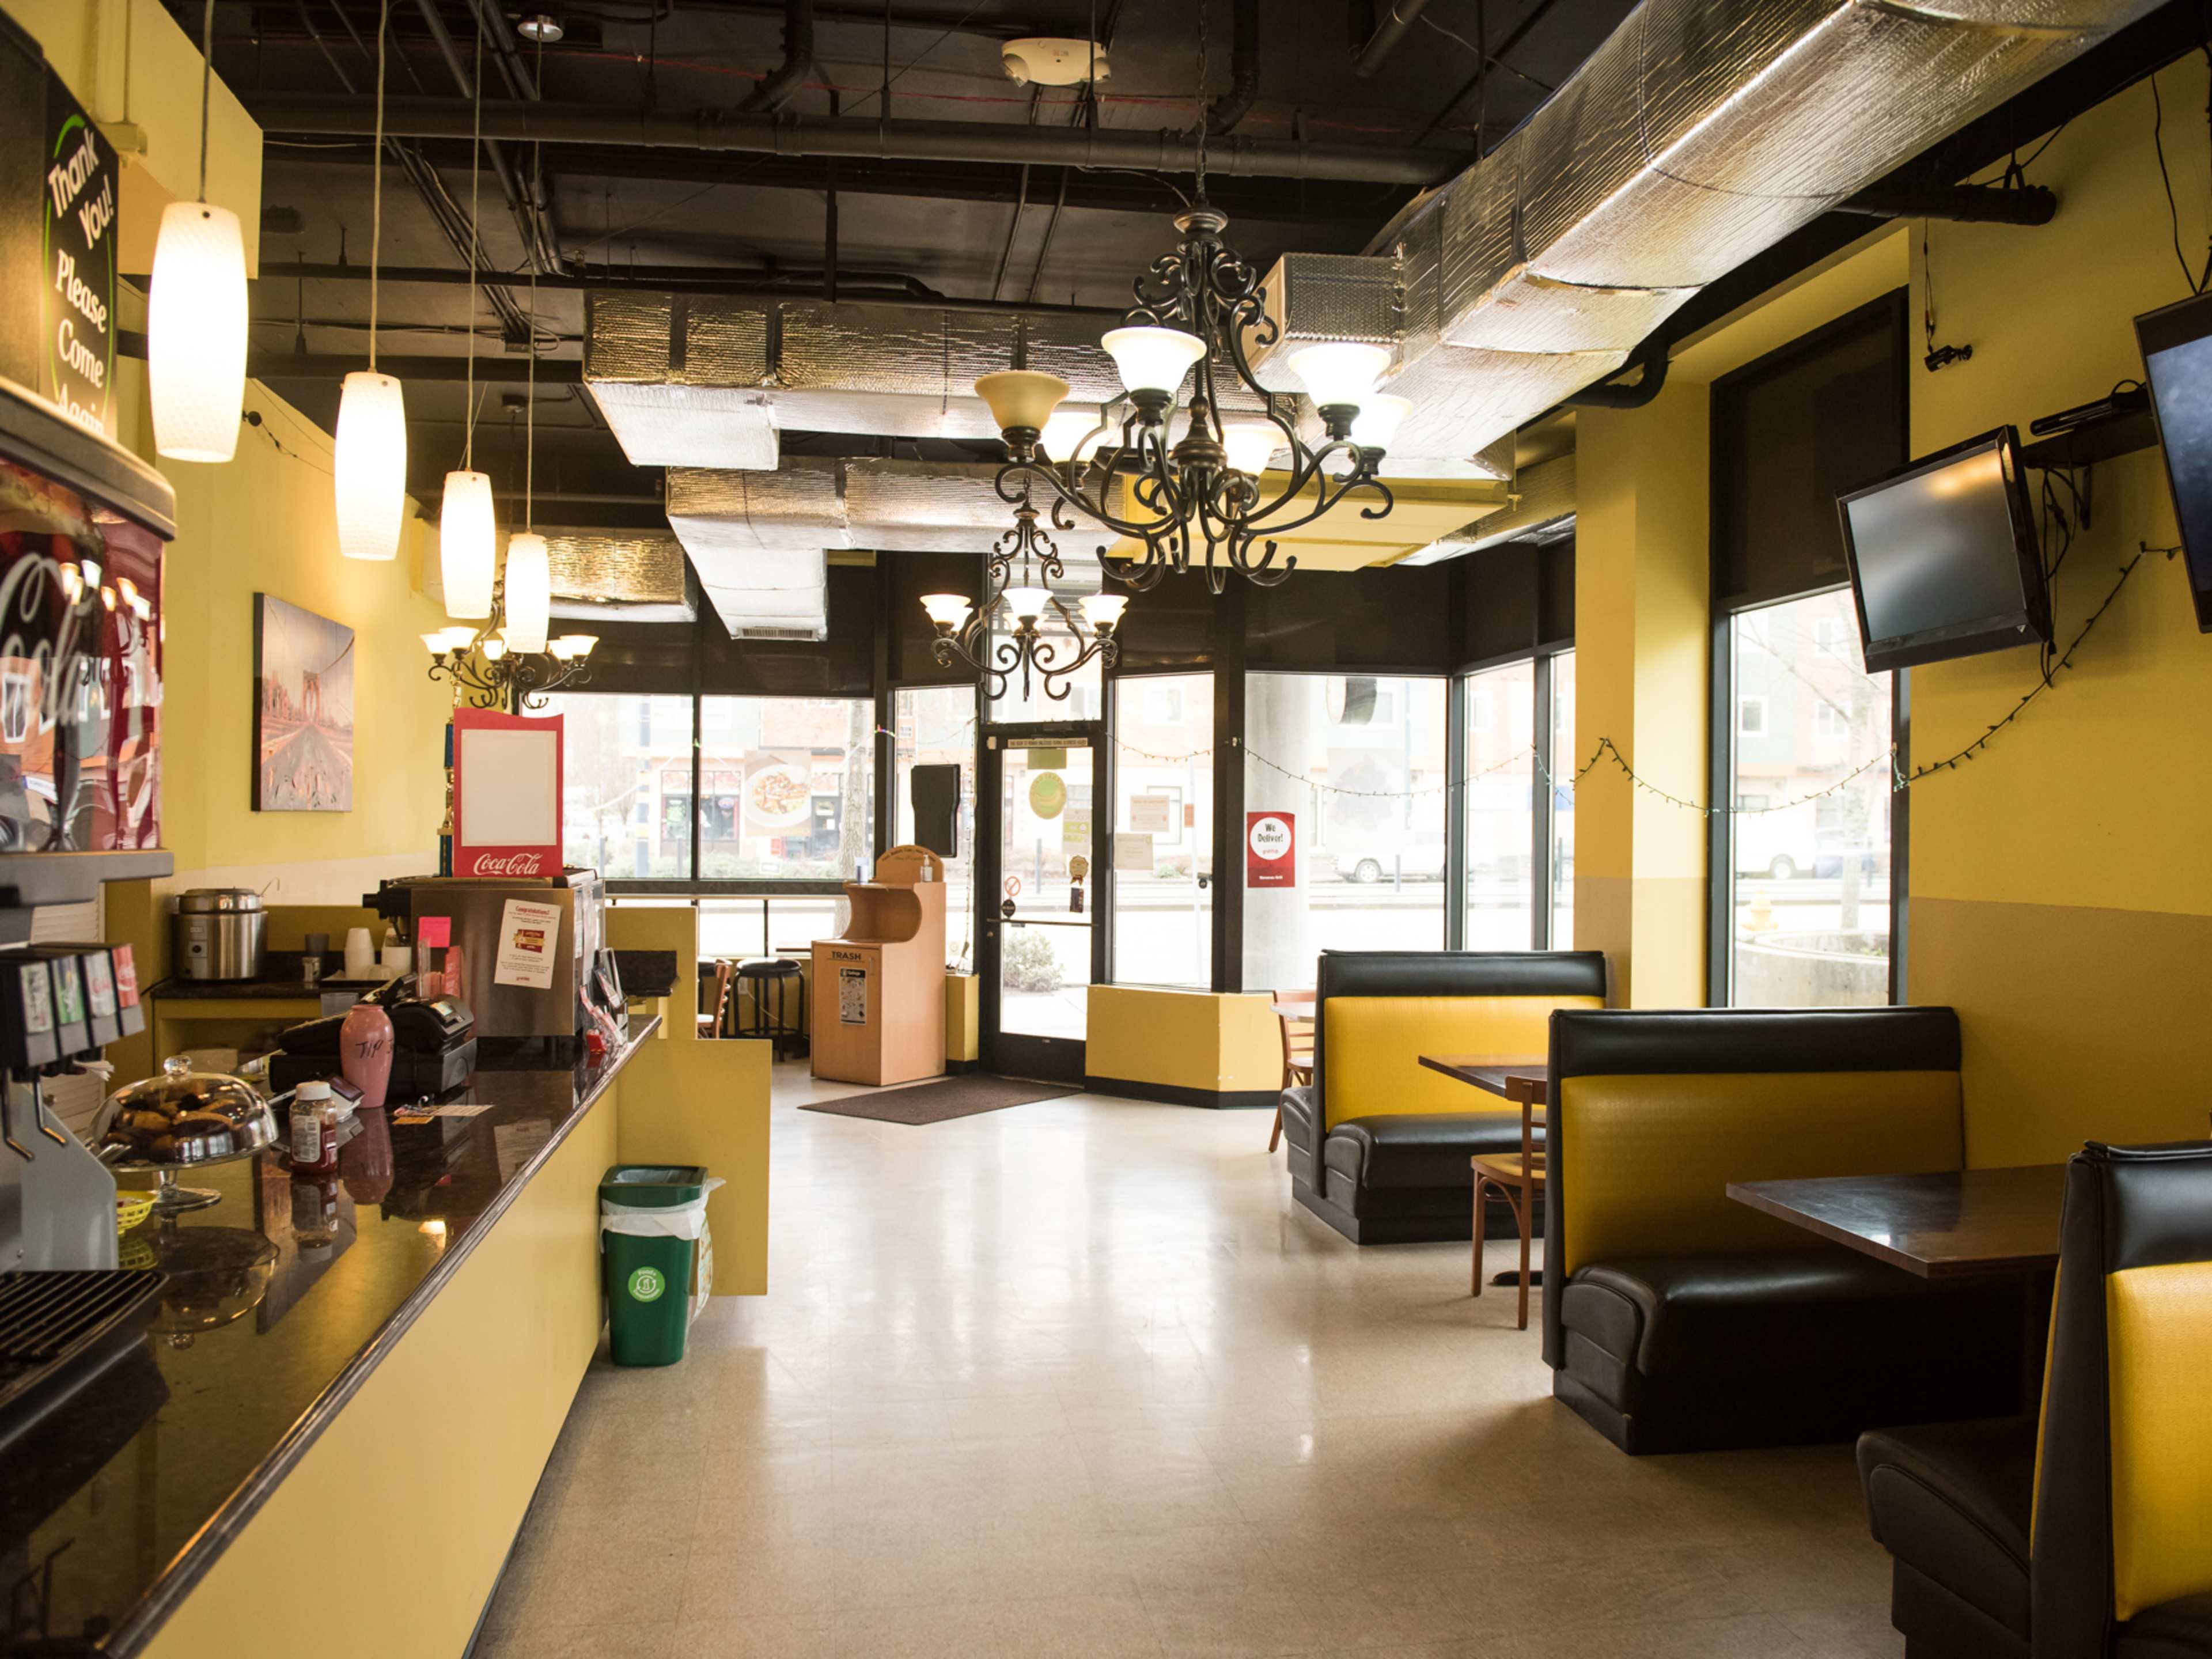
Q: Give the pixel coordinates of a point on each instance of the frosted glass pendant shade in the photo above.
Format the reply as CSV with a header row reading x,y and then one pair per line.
x,y
1104,611
468,545
945,609
1022,397
1379,419
1152,359
1073,434
195,333
528,592
1250,444
1028,603
1340,373
371,465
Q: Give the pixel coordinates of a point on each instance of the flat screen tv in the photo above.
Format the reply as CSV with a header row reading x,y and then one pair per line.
x,y
1943,556
2177,351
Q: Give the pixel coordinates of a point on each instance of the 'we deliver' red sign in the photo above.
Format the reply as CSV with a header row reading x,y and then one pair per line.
x,y
1271,849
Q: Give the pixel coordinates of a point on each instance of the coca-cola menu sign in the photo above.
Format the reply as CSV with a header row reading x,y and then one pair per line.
x,y
507,795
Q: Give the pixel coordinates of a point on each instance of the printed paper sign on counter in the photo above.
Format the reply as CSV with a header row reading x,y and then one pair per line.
x,y
1271,856
527,935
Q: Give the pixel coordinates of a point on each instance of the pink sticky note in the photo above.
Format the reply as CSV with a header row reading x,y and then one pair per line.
x,y
434,932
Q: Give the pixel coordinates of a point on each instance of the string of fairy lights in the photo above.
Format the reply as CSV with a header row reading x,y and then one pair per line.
x,y
1901,779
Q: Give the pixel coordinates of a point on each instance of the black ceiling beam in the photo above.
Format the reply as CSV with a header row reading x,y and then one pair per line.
x,y
705,281
1354,208
857,138
1980,204
280,366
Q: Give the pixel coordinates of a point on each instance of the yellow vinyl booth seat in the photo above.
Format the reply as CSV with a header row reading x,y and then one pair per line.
x,y
1676,1319
1375,1045
2086,1527
1379,1144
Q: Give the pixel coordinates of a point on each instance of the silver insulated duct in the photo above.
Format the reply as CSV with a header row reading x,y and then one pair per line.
x,y
1700,133
689,380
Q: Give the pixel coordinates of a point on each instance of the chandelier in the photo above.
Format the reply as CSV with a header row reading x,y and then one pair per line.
x,y
1194,308
487,672
1027,603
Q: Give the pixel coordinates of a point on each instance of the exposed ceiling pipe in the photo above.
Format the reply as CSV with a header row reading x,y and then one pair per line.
x,y
524,214
274,366
858,287
1223,114
1388,33
1610,394
776,91
861,136
1972,204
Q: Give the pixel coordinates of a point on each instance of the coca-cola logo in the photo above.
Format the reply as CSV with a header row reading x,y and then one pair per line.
x,y
508,863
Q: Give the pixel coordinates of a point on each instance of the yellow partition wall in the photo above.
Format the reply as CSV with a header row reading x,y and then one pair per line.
x,y
1188,1047
707,1104
432,1464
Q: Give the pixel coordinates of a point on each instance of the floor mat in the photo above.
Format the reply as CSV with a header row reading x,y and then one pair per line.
x,y
948,1097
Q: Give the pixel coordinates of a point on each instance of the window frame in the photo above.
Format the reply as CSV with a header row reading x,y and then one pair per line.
x,y
1721,703
1542,805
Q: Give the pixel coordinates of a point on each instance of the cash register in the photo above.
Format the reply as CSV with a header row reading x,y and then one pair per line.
x,y
433,1039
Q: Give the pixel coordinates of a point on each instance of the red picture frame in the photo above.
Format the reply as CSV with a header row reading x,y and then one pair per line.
x,y
504,856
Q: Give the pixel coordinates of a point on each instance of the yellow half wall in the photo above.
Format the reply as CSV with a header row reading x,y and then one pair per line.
x,y
1188,1047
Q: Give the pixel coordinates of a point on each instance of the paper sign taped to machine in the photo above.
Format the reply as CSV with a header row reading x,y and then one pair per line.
x,y
1154,815
434,932
1271,849
528,934
1132,852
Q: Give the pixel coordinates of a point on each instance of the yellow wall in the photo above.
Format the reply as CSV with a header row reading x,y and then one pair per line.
x,y
2061,898
138,76
1215,1043
707,1104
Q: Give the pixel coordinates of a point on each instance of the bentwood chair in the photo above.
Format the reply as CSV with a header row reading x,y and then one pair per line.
x,y
710,1024
1516,1177
1298,1049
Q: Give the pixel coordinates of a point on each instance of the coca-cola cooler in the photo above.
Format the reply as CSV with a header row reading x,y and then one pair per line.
x,y
82,526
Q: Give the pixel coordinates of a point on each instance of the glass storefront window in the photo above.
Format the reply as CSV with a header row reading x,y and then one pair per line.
x,y
1501,713
1561,761
626,784
936,726
1163,789
1809,878
786,787
1356,765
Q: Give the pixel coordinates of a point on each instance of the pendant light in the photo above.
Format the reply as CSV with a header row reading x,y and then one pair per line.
x,y
195,318
371,462
468,535
529,570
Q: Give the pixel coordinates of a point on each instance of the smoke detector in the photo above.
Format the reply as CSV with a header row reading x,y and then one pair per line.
x,y
1054,61
541,28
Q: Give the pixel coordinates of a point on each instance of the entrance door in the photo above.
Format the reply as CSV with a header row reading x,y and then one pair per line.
x,y
1040,889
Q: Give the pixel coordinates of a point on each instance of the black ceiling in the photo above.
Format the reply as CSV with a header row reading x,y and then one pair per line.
x,y
1045,234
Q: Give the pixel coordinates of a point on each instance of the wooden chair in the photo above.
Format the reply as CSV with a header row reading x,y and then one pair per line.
x,y
1297,1049
711,1025
1518,1177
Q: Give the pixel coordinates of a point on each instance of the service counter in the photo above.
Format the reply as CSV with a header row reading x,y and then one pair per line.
x,y
328,1440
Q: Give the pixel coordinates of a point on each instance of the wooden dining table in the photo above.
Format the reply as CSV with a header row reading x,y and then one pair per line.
x,y
1519,1079
1951,1224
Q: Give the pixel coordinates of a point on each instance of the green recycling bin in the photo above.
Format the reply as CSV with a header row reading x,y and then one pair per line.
x,y
657,1255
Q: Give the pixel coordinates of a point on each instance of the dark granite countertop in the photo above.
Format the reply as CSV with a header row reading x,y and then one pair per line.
x,y
280,979
283,1297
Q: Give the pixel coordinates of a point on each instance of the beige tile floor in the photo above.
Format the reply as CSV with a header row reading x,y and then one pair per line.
x,y
1077,1378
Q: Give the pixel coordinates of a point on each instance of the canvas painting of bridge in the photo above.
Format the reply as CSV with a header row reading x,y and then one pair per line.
x,y
302,710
